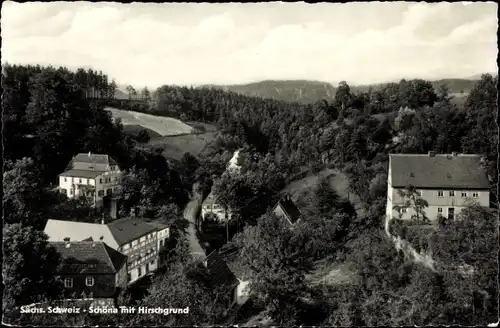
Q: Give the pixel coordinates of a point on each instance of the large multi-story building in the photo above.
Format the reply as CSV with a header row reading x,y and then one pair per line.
x,y
448,182
91,270
92,175
133,237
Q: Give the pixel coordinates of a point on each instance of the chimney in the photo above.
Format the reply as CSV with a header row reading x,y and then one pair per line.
x,y
67,239
101,238
432,153
90,154
93,244
454,154
103,221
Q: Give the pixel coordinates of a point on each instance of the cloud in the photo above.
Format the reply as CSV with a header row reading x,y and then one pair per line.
x,y
154,44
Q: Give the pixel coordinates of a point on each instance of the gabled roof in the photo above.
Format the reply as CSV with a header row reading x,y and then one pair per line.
x,y
94,159
87,257
115,233
219,272
57,230
89,174
92,162
291,210
458,171
128,229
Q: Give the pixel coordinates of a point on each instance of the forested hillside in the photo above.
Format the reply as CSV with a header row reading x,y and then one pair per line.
x,y
308,92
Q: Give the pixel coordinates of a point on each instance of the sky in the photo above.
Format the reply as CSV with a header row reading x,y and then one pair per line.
x,y
145,44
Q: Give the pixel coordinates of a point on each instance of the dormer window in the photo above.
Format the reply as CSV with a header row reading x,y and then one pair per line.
x,y
89,281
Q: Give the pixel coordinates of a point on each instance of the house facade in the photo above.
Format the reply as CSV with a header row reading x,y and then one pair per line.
x,y
447,182
287,209
92,175
222,278
212,209
136,239
91,270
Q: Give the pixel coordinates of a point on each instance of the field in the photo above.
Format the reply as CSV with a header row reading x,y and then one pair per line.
x,y
133,130
164,126
174,147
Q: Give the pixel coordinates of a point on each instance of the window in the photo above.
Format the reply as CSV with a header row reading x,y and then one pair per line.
x,y
89,281
464,194
126,246
129,277
475,194
452,193
79,180
440,193
134,243
440,210
451,213
100,193
153,262
100,180
109,191
87,181
65,180
147,267
139,272
161,242
71,191
68,282
403,210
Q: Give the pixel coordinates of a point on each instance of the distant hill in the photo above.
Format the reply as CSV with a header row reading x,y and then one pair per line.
x,y
289,90
307,92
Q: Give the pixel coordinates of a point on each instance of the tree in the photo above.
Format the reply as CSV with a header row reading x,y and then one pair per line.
x,y
29,266
278,260
184,286
412,200
25,200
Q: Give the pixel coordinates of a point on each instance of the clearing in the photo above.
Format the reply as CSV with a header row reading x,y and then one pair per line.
x,y
174,147
338,181
164,126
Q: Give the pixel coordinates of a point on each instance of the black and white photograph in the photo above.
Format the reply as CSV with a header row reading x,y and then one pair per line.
x,y
260,164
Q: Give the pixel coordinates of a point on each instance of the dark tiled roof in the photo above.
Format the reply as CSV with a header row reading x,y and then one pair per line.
x,y
127,229
439,171
94,159
220,274
92,162
82,173
88,257
291,210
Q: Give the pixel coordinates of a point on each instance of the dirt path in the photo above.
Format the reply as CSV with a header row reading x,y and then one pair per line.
x,y
190,214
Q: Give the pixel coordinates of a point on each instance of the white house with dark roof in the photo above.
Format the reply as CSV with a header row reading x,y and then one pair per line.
x,y
133,237
448,182
93,175
213,209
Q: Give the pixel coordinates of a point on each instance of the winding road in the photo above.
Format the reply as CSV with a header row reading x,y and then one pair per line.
x,y
190,214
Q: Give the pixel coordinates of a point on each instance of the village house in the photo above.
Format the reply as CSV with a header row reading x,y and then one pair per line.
x,y
212,209
95,176
222,278
287,209
133,237
91,270
448,182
